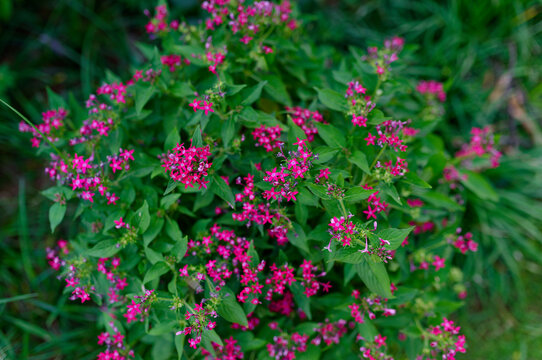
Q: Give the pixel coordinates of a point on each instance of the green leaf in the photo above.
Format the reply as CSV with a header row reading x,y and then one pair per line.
x,y
360,160
163,328
413,179
153,230
182,90
179,345
276,90
478,184
232,89
153,256
211,336
169,200
301,299
157,270
56,214
331,135
103,249
349,255
375,276
230,310
197,141
319,191
228,131
179,249
440,200
394,236
391,191
172,139
55,101
142,95
222,189
171,185
357,193
297,237
332,99
325,153
144,217
252,94
172,229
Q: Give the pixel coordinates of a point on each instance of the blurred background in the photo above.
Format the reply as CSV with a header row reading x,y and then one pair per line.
x,y
487,53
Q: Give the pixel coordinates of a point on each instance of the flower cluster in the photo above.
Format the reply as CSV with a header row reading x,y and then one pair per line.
x,y
341,230
204,105
117,282
54,255
388,135
372,349
481,142
267,137
445,340
159,22
381,59
376,205
437,262
360,103
463,242
173,62
199,319
116,346
139,308
399,169
432,88
248,20
305,119
285,346
284,181
230,350
188,166
309,279
369,305
52,121
331,332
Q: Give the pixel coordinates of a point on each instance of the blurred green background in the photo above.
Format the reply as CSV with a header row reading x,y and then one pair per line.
x,y
486,52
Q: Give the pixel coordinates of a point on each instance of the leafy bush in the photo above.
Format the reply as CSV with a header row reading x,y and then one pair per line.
x,y
251,192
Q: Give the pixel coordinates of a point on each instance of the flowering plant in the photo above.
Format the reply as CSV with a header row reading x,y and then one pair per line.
x,y
250,194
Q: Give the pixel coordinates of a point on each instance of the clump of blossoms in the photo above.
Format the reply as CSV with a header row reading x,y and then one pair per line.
x,y
285,180
305,119
245,253
464,242
369,305
432,88
188,166
267,137
51,126
481,142
374,349
360,103
444,341
285,346
381,59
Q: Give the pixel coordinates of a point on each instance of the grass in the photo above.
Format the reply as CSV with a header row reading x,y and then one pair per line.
x,y
487,53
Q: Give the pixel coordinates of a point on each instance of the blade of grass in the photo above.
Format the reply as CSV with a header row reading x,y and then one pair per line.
x,y
23,231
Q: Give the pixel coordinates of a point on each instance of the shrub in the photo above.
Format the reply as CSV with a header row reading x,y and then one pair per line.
x,y
251,193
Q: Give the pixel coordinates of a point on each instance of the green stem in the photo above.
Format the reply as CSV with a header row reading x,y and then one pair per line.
x,y
343,208
373,163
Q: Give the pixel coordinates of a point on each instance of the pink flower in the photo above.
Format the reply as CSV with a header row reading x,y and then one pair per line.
x,y
438,263
119,223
